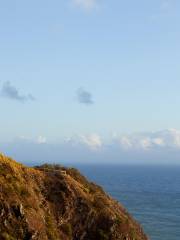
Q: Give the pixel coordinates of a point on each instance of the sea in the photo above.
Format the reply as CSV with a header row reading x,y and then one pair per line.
x,y
150,193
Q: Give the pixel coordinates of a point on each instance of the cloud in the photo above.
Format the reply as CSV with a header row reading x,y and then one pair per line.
x,y
84,97
160,147
37,140
93,141
41,140
11,92
169,138
85,4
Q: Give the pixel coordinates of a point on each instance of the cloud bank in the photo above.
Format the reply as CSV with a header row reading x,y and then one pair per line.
x,y
84,97
162,147
11,92
169,138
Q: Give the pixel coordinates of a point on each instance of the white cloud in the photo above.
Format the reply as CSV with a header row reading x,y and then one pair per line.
x,y
37,140
86,4
169,138
150,147
145,143
93,141
158,141
41,140
134,142
24,138
165,139
125,142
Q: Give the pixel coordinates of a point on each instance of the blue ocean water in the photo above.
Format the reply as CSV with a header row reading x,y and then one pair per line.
x,y
150,193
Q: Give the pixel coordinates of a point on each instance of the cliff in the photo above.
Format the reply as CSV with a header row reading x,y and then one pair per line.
x,y
56,203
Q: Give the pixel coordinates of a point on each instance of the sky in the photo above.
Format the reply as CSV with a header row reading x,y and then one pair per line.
x,y
92,75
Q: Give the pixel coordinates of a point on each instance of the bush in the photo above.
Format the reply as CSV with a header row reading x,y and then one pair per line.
x,y
67,229
51,231
103,235
6,236
118,221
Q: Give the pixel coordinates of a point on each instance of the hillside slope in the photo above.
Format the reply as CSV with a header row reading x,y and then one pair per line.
x,y
55,203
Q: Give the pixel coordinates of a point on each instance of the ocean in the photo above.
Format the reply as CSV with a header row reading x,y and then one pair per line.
x,y
150,193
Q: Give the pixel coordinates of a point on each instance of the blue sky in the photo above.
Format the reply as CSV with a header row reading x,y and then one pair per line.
x,y
88,68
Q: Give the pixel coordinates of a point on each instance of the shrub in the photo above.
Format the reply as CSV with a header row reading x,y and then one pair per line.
x,y
118,221
103,235
51,231
6,236
67,229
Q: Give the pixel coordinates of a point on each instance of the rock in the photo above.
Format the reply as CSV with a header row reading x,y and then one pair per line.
x,y
18,211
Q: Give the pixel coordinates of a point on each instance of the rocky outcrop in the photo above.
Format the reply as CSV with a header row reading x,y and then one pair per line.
x,y
56,203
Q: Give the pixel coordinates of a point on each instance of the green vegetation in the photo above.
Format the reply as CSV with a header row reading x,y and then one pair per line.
x,y
51,231
49,167
118,221
67,229
23,191
103,235
6,236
